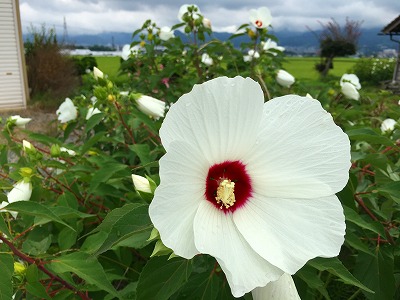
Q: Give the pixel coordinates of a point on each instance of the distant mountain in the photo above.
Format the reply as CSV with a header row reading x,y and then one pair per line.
x,y
295,42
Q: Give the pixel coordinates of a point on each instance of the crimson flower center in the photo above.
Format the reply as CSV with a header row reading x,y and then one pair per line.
x,y
258,23
228,185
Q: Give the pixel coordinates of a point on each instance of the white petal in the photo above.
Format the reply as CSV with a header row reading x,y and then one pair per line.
x,y
151,106
351,78
22,191
175,202
350,91
289,232
216,234
220,117
282,289
300,152
388,125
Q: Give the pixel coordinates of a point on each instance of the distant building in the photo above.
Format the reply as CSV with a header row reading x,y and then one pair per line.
x,y
13,78
393,30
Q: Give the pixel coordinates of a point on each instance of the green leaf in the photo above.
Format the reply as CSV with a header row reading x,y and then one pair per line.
x,y
7,269
161,278
377,272
355,218
42,138
131,221
391,189
93,121
107,171
92,141
203,286
368,135
38,290
354,241
3,227
335,267
143,151
86,267
66,238
311,277
35,209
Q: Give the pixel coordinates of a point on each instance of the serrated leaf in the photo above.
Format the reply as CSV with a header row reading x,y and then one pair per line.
x,y
7,269
86,267
161,278
35,209
130,221
355,218
335,267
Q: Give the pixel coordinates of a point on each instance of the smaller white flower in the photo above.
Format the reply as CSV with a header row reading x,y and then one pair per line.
x,y
351,78
283,288
151,106
260,18
93,99
207,23
19,121
92,111
272,45
184,9
350,91
251,55
22,191
67,111
166,33
141,183
124,93
206,59
27,145
69,151
97,73
388,125
284,78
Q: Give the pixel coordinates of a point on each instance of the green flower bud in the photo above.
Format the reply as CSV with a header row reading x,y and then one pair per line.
x,y
55,150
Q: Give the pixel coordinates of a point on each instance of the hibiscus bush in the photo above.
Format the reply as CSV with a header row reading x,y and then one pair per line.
x,y
204,177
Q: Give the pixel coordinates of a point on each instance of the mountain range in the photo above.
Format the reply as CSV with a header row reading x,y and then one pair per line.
x,y
306,42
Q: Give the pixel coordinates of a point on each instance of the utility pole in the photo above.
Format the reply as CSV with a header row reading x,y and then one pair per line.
x,y
65,33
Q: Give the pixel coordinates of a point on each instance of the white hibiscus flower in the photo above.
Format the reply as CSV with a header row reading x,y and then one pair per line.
x,y
166,33
67,111
388,125
260,18
19,121
251,54
151,106
350,85
251,183
284,78
272,45
206,59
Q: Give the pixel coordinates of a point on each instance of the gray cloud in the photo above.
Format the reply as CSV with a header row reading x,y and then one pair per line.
x,y
93,16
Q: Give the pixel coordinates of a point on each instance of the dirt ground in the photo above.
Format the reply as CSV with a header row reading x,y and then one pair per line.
x,y
43,121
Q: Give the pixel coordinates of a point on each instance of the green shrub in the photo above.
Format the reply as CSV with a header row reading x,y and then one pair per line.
x,y
374,70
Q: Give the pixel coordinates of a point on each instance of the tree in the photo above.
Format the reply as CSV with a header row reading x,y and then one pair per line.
x,y
337,41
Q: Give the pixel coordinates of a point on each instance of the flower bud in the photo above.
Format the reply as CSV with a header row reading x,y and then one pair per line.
x,y
25,172
97,73
141,183
55,150
284,78
19,269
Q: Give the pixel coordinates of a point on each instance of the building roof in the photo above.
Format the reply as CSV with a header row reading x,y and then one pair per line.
x,y
393,28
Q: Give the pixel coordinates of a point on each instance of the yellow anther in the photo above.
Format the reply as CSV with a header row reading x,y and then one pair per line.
x,y
226,193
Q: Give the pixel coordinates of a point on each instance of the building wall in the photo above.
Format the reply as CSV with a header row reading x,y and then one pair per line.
x,y
13,79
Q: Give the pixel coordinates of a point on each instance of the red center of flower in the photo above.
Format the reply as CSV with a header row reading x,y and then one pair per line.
x,y
228,186
258,23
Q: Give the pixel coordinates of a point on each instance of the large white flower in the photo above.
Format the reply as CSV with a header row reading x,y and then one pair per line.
x,y
282,289
260,18
19,121
185,9
251,183
272,45
388,125
166,33
284,78
67,111
151,106
206,59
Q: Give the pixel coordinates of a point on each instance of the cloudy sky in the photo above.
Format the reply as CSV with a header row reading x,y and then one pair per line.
x,y
95,16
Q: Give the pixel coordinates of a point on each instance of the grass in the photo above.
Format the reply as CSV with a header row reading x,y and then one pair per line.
x,y
302,68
